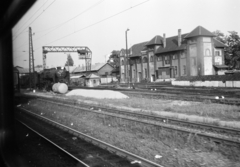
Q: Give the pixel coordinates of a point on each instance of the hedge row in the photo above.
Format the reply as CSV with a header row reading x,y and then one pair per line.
x,y
230,77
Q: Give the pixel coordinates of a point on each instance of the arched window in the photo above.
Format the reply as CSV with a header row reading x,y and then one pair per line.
x,y
139,60
145,60
122,62
151,58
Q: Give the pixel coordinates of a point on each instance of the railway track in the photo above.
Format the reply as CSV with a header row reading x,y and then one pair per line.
x,y
83,148
215,133
185,97
178,94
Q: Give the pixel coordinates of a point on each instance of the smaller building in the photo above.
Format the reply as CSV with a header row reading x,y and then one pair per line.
x,y
100,69
78,80
92,80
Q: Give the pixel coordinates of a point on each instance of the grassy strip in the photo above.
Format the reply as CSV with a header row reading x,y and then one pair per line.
x,y
215,114
147,141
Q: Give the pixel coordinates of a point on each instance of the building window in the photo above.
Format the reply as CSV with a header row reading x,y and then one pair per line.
x,y
193,61
144,60
122,62
151,59
183,55
159,58
217,53
174,57
145,73
94,81
175,70
139,61
167,59
184,69
168,71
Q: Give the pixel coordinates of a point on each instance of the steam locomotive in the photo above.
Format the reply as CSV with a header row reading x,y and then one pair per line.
x,y
46,78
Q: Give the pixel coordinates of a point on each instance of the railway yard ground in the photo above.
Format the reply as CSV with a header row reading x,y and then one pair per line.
x,y
160,145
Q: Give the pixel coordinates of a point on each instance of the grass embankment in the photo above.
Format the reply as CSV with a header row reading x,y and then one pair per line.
x,y
175,148
216,114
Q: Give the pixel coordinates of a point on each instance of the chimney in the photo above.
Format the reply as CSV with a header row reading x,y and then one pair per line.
x,y
179,37
164,40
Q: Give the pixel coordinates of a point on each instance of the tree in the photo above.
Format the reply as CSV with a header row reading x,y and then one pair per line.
x,y
69,60
114,59
232,51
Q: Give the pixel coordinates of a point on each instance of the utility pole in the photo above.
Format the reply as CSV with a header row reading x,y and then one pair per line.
x,y
128,77
31,61
68,69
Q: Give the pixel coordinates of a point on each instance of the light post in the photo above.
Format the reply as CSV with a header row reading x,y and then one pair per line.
x,y
25,60
68,56
127,57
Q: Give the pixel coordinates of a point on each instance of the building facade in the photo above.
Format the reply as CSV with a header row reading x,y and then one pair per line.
x,y
192,54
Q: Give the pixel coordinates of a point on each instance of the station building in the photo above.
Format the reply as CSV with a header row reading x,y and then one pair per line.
x,y
191,54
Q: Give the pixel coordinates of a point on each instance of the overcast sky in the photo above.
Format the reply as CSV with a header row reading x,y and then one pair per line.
x,y
101,24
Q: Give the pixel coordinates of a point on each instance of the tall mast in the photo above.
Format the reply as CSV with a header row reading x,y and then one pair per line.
x,y
31,61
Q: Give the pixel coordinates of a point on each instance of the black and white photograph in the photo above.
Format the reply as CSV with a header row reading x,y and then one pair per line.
x,y
119,83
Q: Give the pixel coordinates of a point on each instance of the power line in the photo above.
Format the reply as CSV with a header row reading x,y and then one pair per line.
x,y
59,25
72,18
31,17
37,17
99,21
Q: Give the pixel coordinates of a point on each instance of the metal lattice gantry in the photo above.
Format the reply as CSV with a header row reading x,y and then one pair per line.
x,y
83,53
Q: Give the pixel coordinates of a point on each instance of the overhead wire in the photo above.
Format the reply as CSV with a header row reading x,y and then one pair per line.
x,y
98,22
31,17
59,25
71,18
37,16
125,10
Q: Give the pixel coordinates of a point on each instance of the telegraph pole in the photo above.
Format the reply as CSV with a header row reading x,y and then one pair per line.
x,y
31,61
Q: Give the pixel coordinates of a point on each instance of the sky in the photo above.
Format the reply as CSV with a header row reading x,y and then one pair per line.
x,y
101,24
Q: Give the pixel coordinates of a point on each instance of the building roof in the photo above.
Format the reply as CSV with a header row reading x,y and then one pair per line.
x,y
92,76
71,68
94,67
172,45
157,40
137,48
218,44
77,76
220,66
199,31
23,70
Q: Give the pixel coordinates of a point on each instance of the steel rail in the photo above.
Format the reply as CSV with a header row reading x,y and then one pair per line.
x,y
54,144
99,143
162,119
172,95
215,138
188,97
